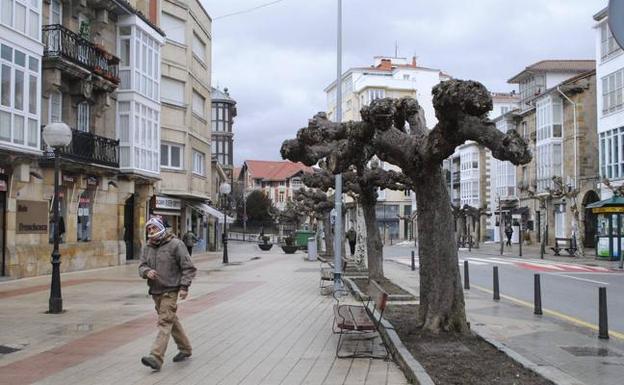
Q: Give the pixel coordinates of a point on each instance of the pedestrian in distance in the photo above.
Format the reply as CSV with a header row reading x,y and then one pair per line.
x,y
167,266
508,233
351,237
189,240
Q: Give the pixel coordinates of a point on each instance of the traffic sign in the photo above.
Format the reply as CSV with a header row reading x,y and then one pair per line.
x,y
616,20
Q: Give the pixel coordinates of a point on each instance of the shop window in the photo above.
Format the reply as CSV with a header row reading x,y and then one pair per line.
x,y
62,216
85,216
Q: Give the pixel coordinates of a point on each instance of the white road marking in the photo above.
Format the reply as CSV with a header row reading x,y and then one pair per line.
x,y
493,261
581,279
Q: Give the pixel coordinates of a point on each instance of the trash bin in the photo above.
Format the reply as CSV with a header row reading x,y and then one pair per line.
x,y
301,238
311,249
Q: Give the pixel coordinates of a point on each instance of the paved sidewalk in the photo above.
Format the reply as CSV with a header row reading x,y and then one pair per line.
x,y
255,321
569,354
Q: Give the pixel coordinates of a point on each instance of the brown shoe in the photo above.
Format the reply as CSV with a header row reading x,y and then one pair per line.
x,y
152,362
181,357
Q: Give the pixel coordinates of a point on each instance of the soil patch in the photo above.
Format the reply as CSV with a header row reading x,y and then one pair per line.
x,y
385,283
452,359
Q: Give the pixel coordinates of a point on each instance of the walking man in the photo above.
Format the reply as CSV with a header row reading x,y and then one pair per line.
x,y
508,233
189,240
167,266
351,237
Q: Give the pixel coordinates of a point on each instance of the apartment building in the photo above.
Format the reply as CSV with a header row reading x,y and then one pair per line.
x,y
558,120
64,62
185,136
392,77
277,179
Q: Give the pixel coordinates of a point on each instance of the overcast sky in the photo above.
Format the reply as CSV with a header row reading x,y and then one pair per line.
x,y
276,60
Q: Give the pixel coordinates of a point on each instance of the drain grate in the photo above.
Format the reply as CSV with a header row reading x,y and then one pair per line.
x,y
589,351
6,349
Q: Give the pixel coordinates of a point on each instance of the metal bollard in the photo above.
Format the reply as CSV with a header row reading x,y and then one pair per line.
x,y
413,261
466,276
603,324
537,295
496,288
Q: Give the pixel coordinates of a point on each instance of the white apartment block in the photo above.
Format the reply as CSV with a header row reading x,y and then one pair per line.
x,y
609,103
391,77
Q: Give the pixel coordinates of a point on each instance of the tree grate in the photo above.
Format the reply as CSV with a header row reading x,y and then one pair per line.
x,y
4,349
589,351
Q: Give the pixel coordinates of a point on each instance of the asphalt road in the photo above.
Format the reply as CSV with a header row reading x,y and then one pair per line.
x,y
568,289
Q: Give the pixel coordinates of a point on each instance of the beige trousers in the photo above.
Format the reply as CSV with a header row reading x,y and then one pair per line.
x,y
168,325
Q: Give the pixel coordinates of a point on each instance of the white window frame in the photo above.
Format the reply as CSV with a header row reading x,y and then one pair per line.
x,y
29,8
83,117
199,163
51,16
608,46
613,92
142,74
169,163
24,124
51,107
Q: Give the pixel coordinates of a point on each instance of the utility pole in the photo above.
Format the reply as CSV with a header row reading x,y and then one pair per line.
x,y
338,191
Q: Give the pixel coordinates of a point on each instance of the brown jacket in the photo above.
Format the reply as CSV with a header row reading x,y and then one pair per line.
x,y
172,263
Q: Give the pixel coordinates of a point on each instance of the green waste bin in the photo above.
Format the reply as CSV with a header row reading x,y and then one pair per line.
x,y
301,238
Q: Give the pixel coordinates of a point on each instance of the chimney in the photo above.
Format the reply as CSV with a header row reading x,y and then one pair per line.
x,y
413,61
153,11
386,64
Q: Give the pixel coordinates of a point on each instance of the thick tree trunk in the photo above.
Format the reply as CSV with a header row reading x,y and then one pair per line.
x,y
360,245
441,294
329,236
374,246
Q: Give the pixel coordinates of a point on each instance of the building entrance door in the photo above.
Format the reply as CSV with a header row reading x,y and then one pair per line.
x,y
129,227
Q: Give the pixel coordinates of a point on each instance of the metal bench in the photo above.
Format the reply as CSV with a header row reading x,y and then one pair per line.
x,y
561,243
361,320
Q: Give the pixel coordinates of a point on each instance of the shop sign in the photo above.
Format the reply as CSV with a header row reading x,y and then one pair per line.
x,y
92,181
32,217
598,210
168,203
69,178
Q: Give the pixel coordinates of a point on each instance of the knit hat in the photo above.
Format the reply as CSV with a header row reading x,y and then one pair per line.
x,y
156,221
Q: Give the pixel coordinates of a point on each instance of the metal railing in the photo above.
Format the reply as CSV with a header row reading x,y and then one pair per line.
x,y
91,148
60,42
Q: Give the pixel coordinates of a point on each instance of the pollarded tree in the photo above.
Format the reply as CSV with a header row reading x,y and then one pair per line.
x,y
316,204
461,109
363,184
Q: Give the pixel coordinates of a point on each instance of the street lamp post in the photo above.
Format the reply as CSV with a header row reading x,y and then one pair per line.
x,y
225,190
56,135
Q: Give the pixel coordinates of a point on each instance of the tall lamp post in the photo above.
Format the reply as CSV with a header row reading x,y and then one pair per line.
x,y
56,135
225,190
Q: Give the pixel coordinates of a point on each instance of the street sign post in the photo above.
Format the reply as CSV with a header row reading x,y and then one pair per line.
x,y
616,20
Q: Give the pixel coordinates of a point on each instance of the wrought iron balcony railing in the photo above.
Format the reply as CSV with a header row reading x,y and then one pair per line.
x,y
60,42
91,148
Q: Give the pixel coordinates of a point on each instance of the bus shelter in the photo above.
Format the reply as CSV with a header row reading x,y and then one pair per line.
x,y
610,227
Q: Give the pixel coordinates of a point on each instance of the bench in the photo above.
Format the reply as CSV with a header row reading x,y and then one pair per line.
x,y
327,273
561,243
361,320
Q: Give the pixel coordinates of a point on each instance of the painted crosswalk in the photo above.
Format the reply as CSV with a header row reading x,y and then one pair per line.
x,y
542,266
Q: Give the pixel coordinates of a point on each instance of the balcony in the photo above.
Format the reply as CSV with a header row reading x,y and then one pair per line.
x,y
59,42
90,148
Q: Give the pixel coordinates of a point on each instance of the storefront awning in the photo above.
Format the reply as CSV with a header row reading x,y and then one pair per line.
x,y
209,210
613,201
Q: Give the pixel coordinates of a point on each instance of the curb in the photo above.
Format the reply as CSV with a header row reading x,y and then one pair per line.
x,y
412,369
550,373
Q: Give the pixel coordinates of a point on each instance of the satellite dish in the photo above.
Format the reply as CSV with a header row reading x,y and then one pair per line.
x,y
616,20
